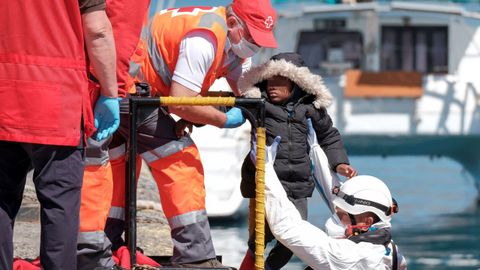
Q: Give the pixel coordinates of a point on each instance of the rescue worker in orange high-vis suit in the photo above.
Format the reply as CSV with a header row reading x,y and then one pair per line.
x,y
94,248
181,53
45,114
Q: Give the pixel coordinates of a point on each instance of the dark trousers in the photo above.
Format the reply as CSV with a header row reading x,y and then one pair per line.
x,y
279,255
58,172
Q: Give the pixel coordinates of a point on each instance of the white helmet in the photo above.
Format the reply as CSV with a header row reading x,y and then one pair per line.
x,y
365,193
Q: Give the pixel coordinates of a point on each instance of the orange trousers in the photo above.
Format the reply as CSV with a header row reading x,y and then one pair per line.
x,y
176,166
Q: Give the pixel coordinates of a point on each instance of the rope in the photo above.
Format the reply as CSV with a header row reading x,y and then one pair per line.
x,y
259,200
199,101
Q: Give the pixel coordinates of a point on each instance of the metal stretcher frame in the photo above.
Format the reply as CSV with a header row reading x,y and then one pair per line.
x,y
257,121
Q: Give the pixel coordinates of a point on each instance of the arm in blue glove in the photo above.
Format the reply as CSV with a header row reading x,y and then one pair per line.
x,y
100,46
107,116
235,118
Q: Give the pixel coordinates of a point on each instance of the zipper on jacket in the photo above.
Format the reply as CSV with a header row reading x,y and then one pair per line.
x,y
289,126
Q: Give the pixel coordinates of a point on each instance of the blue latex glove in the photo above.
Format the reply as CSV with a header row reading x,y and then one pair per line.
x,y
253,148
107,116
311,135
271,150
235,118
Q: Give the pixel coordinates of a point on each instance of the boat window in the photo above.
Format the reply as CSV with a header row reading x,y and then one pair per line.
x,y
422,49
331,52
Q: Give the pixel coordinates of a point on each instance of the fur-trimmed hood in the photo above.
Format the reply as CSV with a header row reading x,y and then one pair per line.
x,y
310,83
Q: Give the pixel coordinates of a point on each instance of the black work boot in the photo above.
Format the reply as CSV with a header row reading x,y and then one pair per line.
x,y
114,230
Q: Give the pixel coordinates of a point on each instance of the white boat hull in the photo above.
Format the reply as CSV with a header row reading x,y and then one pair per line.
x,y
222,152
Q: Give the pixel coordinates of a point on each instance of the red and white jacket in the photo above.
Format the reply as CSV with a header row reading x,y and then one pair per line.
x,y
43,82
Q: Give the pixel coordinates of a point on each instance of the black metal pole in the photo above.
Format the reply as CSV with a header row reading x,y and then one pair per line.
x,y
249,102
261,113
131,185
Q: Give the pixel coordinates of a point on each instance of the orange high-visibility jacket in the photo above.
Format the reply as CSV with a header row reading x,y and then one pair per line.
x,y
43,82
156,56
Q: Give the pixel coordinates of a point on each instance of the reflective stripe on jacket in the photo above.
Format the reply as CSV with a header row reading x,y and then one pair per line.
x,y
157,53
43,83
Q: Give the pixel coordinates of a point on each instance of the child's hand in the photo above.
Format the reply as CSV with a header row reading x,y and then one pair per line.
x,y
180,127
346,170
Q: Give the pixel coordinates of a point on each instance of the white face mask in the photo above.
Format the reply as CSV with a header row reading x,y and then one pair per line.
x,y
335,228
244,49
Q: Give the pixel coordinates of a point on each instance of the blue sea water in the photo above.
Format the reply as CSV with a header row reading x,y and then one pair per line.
x,y
438,226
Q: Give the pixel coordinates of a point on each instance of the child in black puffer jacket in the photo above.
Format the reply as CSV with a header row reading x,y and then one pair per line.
x,y
293,95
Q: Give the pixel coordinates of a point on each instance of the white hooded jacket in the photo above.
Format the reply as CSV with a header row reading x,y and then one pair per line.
x,y
312,245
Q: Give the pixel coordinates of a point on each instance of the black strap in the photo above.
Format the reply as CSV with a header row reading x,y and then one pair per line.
x,y
377,237
353,221
350,199
394,256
